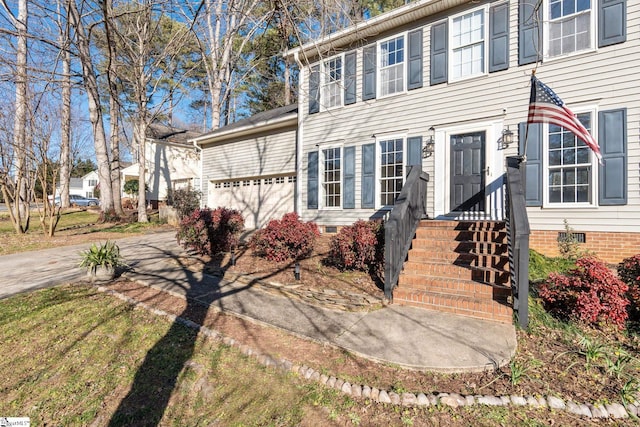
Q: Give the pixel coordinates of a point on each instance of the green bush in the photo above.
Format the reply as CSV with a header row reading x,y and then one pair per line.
x,y
184,200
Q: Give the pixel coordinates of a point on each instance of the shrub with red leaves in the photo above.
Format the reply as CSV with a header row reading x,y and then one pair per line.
x,y
629,273
359,246
285,239
209,232
590,293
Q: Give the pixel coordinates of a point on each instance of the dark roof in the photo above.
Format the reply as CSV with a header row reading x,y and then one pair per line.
x,y
256,119
170,134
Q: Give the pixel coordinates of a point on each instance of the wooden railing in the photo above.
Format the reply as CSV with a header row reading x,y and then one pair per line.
x,y
401,225
518,234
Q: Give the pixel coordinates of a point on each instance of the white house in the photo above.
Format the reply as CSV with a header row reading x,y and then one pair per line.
x,y
452,77
250,165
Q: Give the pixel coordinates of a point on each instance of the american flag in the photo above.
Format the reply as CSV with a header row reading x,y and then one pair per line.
x,y
547,107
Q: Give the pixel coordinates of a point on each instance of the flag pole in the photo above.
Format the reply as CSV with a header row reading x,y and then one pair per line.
x,y
523,158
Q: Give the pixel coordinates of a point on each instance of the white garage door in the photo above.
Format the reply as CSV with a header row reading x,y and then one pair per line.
x,y
259,200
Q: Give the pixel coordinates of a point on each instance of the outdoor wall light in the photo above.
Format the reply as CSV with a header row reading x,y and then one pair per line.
x,y
507,137
429,143
296,271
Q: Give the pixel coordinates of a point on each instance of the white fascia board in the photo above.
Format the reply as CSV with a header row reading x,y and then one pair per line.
x,y
371,27
281,122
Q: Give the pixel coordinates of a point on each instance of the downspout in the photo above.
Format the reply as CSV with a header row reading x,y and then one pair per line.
x,y
299,133
198,149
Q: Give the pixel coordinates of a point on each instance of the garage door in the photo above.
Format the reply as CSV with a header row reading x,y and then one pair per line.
x,y
259,200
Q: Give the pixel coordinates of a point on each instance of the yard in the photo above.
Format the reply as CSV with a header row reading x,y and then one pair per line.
x,y
81,371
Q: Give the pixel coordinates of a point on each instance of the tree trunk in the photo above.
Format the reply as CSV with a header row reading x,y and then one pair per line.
x,y
139,135
21,207
65,137
95,111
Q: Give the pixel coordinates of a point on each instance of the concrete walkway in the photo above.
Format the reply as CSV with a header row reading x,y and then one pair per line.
x,y
404,336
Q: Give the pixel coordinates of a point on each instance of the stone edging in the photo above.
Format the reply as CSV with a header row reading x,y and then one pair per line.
x,y
454,400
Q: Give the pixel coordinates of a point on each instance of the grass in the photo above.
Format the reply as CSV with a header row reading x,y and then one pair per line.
x,y
78,370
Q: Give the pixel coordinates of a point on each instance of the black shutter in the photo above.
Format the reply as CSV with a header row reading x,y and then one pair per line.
x,y
369,72
368,175
612,137
529,33
350,78
533,168
499,37
414,151
312,180
349,184
612,22
415,60
439,65
314,89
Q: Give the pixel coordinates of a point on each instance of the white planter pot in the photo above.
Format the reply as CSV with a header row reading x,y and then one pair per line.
x,y
101,274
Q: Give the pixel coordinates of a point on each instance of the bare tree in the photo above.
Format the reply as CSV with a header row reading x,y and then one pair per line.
x,y
85,55
65,122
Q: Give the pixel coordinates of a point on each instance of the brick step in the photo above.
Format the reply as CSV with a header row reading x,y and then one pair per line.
x,y
476,274
456,258
498,311
463,225
473,236
461,247
451,286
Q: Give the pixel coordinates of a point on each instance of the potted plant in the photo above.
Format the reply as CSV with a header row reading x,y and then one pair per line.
x,y
101,261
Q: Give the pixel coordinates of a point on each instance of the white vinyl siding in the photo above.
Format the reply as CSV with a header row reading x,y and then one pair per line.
x,y
468,46
392,66
332,84
595,78
570,165
570,26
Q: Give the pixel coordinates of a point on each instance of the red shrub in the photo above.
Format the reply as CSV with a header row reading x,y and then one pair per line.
x,y
591,293
285,239
358,246
629,272
210,232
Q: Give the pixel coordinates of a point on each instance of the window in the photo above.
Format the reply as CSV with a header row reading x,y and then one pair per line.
x,y
332,172
569,27
217,185
236,183
246,183
468,44
391,170
291,179
256,182
268,181
332,83
392,66
93,182
570,168
227,184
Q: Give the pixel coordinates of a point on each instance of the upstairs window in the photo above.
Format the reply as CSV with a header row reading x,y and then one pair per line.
x,y
332,86
468,44
570,26
392,66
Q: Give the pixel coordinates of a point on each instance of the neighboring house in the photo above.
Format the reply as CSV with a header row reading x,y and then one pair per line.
x,y
452,78
89,182
83,186
172,162
250,165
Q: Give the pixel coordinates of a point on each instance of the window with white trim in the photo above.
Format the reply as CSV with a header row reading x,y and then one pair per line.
x,y
391,152
331,177
468,46
93,182
332,86
391,68
570,165
569,26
